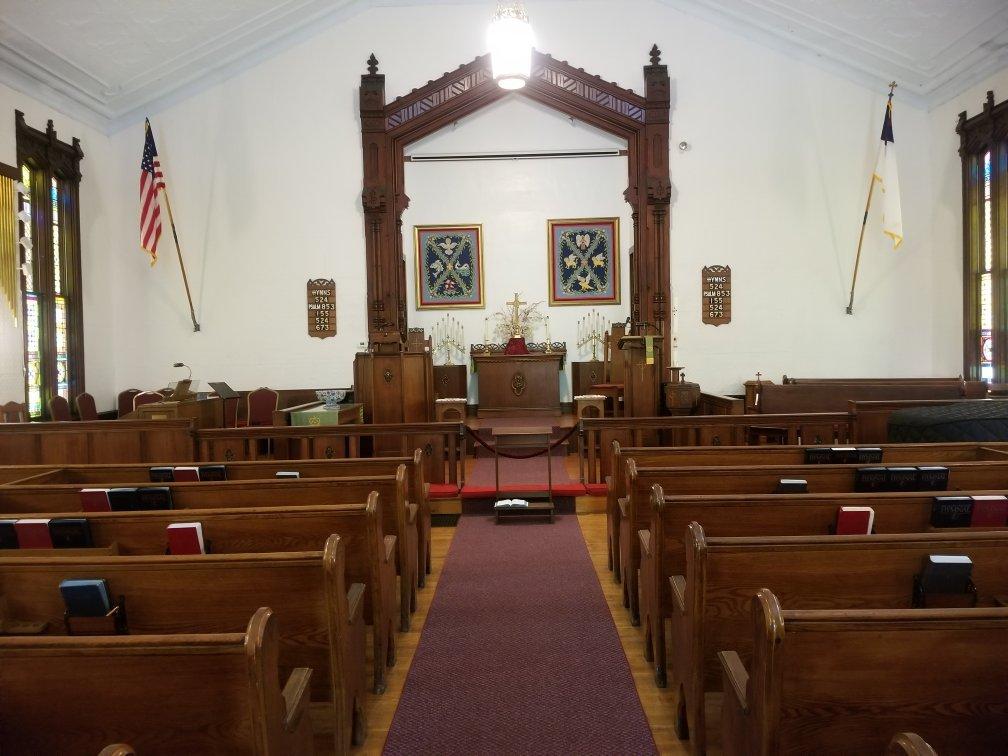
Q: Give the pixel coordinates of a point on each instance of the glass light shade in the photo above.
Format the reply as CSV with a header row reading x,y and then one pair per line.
x,y
510,41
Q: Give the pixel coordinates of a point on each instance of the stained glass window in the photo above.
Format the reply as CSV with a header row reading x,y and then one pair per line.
x,y
25,217
57,268
33,355
62,355
986,281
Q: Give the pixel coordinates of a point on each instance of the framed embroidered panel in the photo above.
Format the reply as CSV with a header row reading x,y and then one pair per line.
x,y
584,261
449,266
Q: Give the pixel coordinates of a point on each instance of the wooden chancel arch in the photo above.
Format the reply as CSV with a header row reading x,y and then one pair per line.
x,y
387,128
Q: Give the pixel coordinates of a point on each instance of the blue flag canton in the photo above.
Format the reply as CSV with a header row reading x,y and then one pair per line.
x,y
585,262
450,266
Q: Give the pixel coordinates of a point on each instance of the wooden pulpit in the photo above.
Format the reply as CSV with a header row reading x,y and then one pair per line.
x,y
643,360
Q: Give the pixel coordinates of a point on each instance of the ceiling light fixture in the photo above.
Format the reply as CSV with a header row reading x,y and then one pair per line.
x,y
510,41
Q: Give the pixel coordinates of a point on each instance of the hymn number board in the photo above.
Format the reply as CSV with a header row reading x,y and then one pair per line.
x,y
322,308
715,282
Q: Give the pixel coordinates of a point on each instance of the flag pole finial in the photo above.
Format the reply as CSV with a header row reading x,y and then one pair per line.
x,y
892,88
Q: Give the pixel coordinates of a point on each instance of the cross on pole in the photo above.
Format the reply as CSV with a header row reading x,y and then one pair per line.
x,y
515,323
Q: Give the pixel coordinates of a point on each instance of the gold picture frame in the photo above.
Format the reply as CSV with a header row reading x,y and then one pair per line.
x,y
439,281
571,263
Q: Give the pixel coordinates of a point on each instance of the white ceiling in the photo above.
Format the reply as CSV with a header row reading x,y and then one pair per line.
x,y
105,60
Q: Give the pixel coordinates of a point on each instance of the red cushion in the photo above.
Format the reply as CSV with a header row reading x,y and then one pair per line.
x,y
597,489
569,489
488,492
478,492
443,490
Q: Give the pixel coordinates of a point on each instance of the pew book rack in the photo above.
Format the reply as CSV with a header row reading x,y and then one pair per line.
x,y
113,623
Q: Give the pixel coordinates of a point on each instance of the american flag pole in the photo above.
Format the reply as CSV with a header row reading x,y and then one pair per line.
x,y
150,222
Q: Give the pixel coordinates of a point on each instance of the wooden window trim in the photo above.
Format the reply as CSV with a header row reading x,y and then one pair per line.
x,y
50,158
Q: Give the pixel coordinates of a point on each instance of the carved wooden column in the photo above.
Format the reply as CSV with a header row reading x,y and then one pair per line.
x,y
654,286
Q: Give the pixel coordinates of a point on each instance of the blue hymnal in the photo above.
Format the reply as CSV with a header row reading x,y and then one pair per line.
x,y
86,598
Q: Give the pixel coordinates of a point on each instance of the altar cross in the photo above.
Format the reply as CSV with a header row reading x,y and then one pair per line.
x,y
515,320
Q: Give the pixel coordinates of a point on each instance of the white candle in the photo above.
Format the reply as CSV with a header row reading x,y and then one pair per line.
x,y
486,330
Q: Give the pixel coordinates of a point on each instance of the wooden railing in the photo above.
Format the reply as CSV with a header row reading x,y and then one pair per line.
x,y
95,442
442,444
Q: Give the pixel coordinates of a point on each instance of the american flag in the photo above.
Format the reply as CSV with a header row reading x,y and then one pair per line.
x,y
151,183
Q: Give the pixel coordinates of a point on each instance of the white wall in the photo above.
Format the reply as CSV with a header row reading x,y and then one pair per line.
x,y
264,171
513,200
100,208
946,170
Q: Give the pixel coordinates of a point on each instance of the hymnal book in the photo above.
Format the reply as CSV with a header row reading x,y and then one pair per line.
x,y
855,521
818,456
212,472
869,455
187,474
902,478
8,535
33,534
186,538
951,511
288,474
508,503
95,500
153,497
792,485
844,455
162,475
946,573
868,479
932,478
122,499
86,598
70,533
989,511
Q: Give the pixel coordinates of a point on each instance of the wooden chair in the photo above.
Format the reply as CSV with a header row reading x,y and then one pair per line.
x,y
146,397
230,411
166,694
260,405
14,412
124,401
59,409
86,408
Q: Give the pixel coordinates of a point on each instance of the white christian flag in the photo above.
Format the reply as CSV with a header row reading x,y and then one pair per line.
x,y
888,178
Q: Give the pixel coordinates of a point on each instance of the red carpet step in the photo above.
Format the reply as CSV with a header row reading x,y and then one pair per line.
x,y
519,653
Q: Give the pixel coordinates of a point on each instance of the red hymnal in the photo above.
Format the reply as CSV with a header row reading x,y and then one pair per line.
x,y
186,474
855,520
989,511
33,534
186,538
95,500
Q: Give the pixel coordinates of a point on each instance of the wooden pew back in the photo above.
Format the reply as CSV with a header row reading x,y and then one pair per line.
x,y
96,442
775,398
940,673
212,693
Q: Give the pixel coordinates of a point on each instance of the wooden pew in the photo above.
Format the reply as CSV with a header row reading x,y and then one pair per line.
x,y
370,556
319,620
701,456
909,744
833,396
841,681
97,441
165,694
398,514
708,605
117,749
417,489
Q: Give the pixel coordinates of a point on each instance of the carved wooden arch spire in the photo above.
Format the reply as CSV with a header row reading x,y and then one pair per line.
x,y
643,120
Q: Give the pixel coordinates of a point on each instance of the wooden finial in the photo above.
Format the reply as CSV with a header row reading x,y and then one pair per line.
x,y
892,87
372,64
655,55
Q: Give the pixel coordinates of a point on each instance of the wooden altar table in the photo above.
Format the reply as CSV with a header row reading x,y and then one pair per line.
x,y
510,385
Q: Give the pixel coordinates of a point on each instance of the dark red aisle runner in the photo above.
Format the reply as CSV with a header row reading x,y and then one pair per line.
x,y
519,653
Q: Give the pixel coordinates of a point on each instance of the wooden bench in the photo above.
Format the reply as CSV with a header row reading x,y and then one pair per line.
x,y
399,516
96,441
909,744
702,456
832,396
319,620
164,694
370,556
135,474
708,606
841,681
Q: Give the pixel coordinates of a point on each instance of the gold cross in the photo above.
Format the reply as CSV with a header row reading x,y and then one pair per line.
x,y
515,322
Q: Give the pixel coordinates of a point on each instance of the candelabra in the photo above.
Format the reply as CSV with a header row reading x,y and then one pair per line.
x,y
448,336
591,331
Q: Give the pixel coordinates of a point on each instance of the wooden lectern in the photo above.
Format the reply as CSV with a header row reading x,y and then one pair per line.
x,y
208,413
643,360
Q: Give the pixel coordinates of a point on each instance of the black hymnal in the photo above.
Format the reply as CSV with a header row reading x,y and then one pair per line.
x,y
154,497
70,533
162,475
212,472
951,511
8,535
818,456
932,478
792,485
843,455
901,479
944,573
122,499
868,479
869,455
86,598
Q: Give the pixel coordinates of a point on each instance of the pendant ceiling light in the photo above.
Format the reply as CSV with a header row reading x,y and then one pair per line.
x,y
510,41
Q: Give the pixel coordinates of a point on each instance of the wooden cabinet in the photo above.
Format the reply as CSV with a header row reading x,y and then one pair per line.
x,y
396,387
641,380
450,382
527,384
584,375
